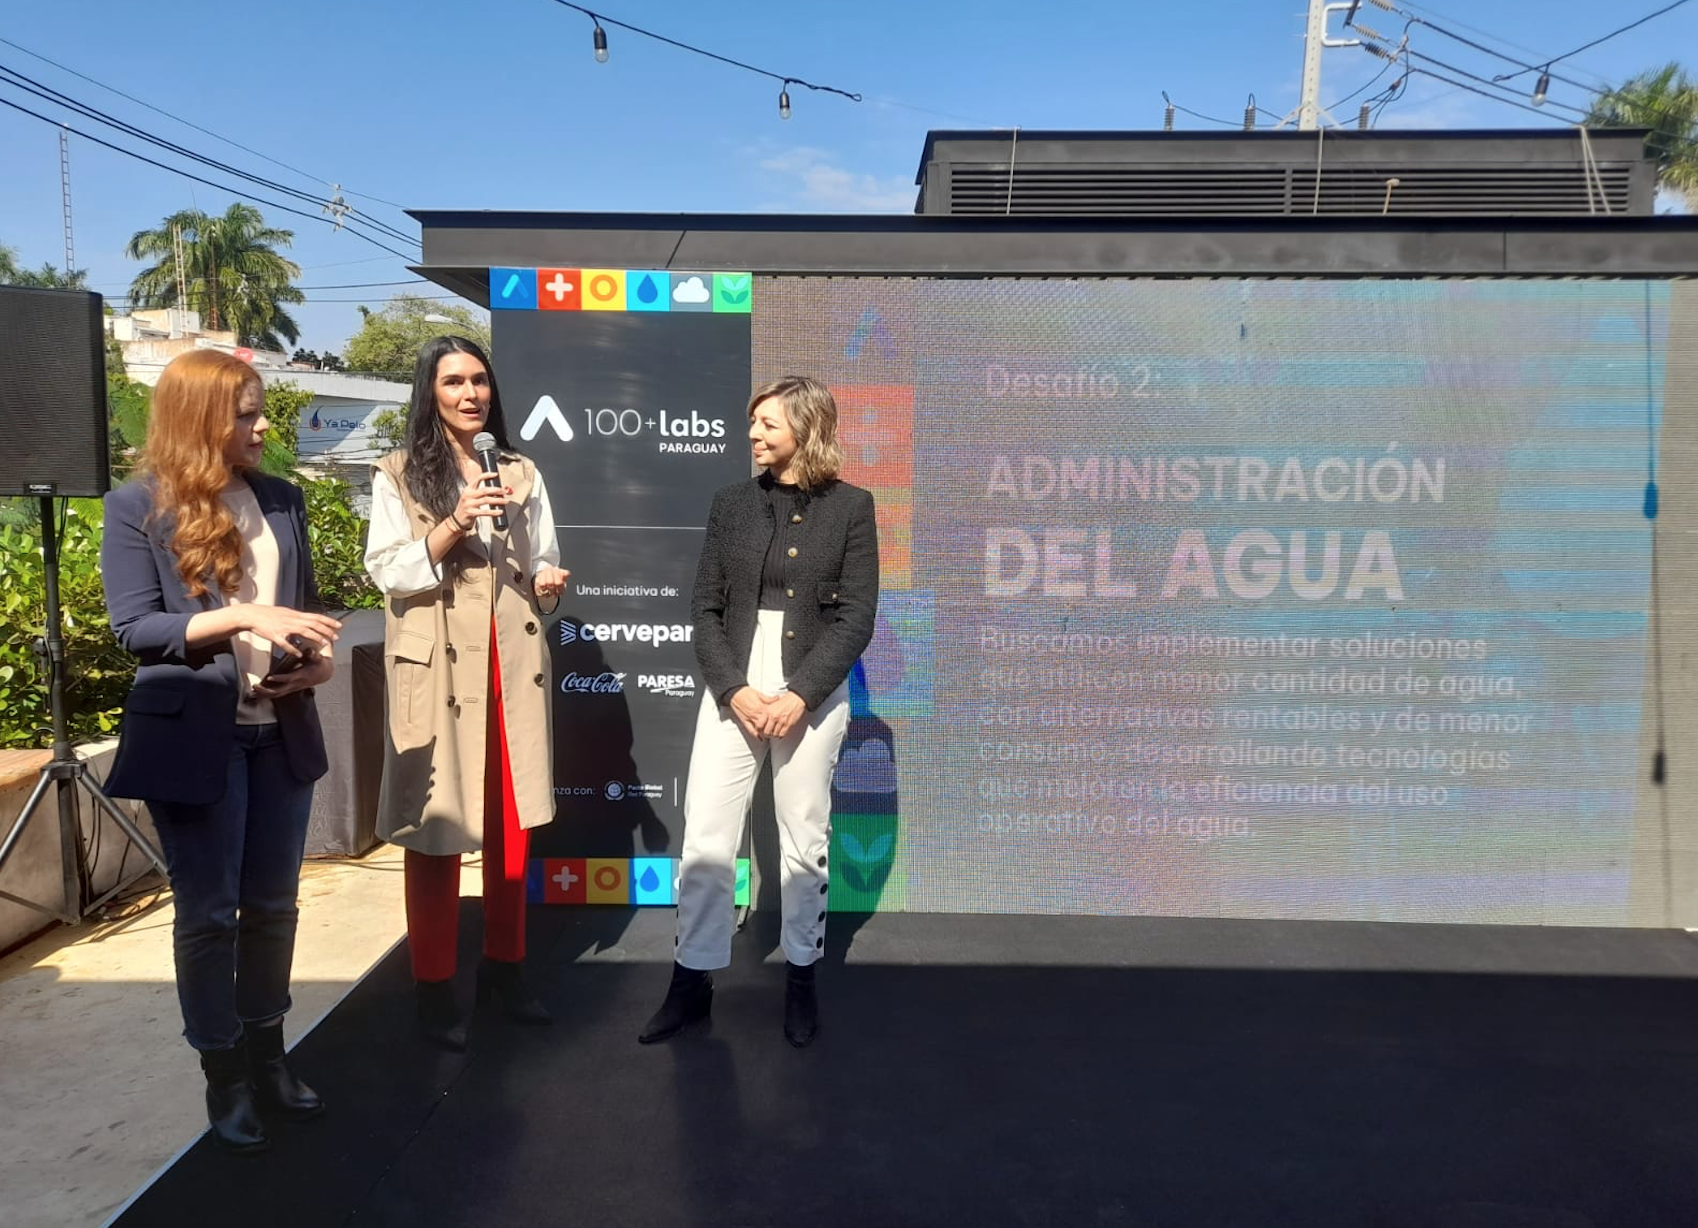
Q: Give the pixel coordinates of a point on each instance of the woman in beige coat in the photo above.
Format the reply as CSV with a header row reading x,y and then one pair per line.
x,y
467,760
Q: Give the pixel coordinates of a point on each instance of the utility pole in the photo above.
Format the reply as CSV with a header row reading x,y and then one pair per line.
x,y
65,196
1309,111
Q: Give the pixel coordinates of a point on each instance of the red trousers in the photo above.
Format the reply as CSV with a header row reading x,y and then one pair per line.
x,y
433,883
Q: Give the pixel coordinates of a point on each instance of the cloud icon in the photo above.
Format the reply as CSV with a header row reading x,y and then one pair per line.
x,y
691,290
866,768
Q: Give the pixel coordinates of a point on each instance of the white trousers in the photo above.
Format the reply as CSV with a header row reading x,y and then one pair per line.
x,y
724,764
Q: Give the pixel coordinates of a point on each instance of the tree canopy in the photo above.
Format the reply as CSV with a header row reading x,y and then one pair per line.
x,y
232,273
1664,100
46,277
389,340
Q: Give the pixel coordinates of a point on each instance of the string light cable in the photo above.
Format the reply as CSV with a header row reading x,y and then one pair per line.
x,y
785,80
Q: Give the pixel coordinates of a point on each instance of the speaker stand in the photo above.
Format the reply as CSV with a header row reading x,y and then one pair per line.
x,y
67,773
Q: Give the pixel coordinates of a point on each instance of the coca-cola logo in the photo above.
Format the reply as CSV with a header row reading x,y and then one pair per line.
x,y
605,683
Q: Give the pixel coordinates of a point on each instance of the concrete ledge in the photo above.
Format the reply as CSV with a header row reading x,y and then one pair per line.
x,y
17,766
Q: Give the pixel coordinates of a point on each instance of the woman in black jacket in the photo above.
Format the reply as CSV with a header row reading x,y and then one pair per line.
x,y
209,582
785,594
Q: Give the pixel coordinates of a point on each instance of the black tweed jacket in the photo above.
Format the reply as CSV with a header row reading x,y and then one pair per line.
x,y
830,579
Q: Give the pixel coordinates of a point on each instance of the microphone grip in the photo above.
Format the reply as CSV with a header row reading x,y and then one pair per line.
x,y
487,459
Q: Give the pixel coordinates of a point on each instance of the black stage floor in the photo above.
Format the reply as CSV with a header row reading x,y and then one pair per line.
x,y
1076,1072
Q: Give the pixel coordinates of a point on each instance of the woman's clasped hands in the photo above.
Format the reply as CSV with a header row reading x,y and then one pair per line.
x,y
767,716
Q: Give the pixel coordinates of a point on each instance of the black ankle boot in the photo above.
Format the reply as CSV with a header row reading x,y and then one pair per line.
x,y
689,998
505,982
275,1085
801,1005
439,1015
230,1107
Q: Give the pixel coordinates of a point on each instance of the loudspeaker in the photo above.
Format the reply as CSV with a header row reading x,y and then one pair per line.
x,y
53,433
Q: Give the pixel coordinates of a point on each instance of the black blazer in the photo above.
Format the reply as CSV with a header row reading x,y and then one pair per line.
x,y
830,576
180,718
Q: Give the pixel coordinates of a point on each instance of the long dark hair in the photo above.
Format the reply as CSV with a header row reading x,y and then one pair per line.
x,y
433,475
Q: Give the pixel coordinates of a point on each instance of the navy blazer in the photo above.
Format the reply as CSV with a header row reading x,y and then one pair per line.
x,y
830,579
180,718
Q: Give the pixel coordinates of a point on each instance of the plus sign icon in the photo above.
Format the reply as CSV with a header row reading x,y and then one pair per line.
x,y
563,881
560,290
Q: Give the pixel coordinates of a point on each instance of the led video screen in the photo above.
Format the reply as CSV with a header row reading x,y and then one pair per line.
x,y
1254,598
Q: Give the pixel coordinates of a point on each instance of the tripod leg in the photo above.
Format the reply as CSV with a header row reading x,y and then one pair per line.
x,y
129,829
23,817
68,910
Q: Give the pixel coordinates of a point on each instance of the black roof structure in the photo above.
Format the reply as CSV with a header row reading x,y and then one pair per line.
x,y
1508,172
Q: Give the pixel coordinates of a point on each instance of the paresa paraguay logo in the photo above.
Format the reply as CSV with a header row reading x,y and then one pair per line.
x,y
678,686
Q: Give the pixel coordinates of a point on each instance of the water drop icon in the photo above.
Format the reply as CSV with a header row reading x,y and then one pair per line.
x,y
646,291
650,881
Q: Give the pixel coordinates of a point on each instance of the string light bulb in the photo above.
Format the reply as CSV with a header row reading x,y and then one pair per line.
x,y
600,43
1542,88
784,100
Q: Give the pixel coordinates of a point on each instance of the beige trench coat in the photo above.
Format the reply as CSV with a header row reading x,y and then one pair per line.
x,y
436,646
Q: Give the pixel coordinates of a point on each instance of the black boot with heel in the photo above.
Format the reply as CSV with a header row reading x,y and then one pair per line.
x,y
689,999
504,982
801,1005
440,1020
230,1106
275,1085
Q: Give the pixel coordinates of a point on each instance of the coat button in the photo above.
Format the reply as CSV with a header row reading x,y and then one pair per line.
x,y
796,518
822,915
530,628
537,680
822,863
518,577
792,552
789,592
834,596
789,635
450,651
824,888
450,701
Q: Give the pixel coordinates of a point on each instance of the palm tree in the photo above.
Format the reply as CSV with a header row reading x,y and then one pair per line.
x,y
232,273
1665,100
46,277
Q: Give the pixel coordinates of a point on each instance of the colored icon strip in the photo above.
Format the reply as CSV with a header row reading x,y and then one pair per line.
x,y
559,289
613,880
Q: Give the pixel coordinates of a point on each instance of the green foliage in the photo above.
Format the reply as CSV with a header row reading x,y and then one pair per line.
x,y
1665,100
337,536
97,670
47,277
232,273
283,406
389,340
388,429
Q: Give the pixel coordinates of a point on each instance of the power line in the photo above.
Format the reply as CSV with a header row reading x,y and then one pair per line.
x,y
1668,8
175,170
785,79
47,93
190,124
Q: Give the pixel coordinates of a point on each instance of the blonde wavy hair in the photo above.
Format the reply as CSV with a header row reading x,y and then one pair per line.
x,y
812,413
191,420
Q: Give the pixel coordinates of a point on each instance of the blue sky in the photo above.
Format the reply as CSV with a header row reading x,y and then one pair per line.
x,y
501,105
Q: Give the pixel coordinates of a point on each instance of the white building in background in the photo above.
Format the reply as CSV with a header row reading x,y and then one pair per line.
x,y
336,435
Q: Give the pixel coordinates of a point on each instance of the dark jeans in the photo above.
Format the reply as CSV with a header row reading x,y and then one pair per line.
x,y
235,871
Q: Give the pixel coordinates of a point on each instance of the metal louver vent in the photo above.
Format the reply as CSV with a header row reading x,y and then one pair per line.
x,y
1546,172
1455,191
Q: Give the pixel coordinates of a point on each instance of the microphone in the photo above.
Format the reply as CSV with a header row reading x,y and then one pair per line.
x,y
483,443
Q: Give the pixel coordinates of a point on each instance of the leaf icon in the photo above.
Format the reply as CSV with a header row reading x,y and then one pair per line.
x,y
881,847
853,847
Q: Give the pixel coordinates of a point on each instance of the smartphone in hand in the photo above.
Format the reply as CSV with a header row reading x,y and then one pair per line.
x,y
287,663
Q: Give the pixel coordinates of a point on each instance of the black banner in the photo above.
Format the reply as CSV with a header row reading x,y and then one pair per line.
x,y
634,419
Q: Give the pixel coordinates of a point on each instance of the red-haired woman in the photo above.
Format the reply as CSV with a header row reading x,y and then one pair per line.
x,y
209,582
